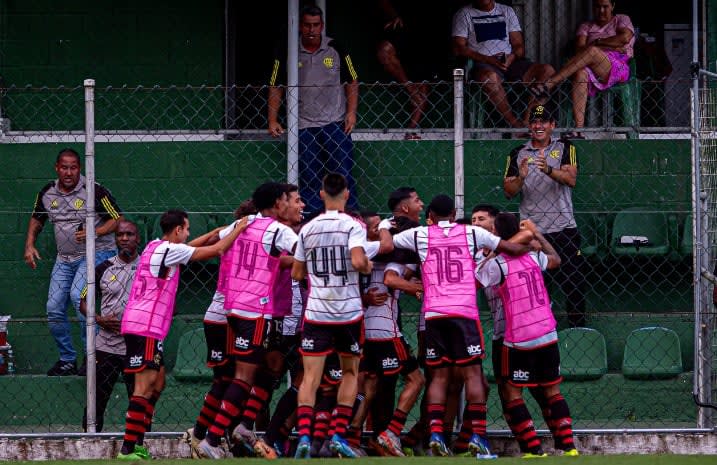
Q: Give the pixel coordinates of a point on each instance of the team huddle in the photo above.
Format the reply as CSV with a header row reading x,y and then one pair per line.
x,y
320,299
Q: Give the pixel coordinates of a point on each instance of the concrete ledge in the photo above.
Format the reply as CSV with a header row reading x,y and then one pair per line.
x,y
173,447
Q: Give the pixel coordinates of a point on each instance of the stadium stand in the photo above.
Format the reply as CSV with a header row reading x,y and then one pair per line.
x,y
652,353
583,354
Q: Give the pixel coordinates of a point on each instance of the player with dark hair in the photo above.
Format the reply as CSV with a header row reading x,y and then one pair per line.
x,y
453,332
148,315
331,251
218,356
249,275
529,355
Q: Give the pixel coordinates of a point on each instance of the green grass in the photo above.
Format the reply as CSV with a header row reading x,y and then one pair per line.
x,y
593,459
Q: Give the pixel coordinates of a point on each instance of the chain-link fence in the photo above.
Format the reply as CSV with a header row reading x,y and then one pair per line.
x,y
160,148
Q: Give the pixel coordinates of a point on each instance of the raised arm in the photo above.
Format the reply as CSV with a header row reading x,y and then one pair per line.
x,y
214,250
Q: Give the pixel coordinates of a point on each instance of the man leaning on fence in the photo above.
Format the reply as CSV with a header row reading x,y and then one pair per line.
x,y
64,202
544,171
114,278
328,99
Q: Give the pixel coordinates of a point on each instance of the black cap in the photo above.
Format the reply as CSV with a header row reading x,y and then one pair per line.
x,y
441,205
540,112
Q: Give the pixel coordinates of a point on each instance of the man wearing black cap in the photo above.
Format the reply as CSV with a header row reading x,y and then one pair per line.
x,y
544,171
453,334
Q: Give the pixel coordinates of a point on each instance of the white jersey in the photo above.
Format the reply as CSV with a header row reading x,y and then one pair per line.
x,y
291,322
381,321
170,255
416,239
277,236
491,273
215,312
325,245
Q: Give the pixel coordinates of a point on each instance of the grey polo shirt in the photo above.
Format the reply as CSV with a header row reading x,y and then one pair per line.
x,y
114,282
67,211
322,75
547,203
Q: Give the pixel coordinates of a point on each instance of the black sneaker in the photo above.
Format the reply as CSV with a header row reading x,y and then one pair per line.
x,y
63,368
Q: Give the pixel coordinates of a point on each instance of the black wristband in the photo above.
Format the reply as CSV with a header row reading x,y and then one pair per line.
x,y
550,170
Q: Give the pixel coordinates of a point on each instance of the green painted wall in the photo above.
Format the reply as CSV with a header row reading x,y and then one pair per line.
x,y
133,42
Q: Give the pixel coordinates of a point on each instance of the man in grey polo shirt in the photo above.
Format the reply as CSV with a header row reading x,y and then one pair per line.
x,y
328,98
64,202
544,171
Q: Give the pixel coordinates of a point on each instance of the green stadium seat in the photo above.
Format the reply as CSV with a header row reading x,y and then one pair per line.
x,y
191,357
583,354
629,93
652,353
640,232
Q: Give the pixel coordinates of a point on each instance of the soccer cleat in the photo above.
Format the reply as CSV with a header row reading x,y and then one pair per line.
x,y
531,455
342,448
408,452
262,449
437,446
64,368
478,445
208,451
377,448
142,452
303,448
130,456
391,443
243,434
193,442
571,453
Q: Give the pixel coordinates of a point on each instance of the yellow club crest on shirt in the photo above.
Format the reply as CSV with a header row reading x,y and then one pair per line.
x,y
78,203
555,154
531,160
329,62
54,204
113,277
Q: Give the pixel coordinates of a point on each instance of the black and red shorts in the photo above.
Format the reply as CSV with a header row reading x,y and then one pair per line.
x,y
531,367
248,338
143,352
321,339
218,350
453,341
388,357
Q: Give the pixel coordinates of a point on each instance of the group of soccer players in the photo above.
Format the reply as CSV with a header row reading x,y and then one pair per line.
x,y
319,299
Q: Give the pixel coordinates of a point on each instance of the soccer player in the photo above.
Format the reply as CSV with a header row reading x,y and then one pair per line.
x,y
218,357
148,315
386,353
249,273
453,333
529,355
332,252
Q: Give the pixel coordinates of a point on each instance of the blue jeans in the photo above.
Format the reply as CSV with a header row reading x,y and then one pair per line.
x,y
66,283
322,150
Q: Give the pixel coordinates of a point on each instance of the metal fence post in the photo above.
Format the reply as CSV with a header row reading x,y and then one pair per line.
x,y
292,95
458,171
90,252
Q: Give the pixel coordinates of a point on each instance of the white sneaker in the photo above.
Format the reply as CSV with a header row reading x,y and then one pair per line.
x,y
242,434
193,442
207,451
